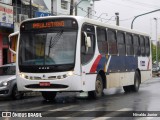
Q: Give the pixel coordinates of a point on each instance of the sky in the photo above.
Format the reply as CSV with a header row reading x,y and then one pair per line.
x,y
128,9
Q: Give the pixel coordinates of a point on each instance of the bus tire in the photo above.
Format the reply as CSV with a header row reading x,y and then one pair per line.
x,y
16,95
98,92
49,95
135,87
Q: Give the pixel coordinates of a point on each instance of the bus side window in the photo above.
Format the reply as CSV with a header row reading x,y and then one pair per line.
x,y
102,40
121,43
112,42
137,50
83,48
142,44
86,56
129,44
147,46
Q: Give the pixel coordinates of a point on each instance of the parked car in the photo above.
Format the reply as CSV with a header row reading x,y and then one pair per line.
x,y
8,85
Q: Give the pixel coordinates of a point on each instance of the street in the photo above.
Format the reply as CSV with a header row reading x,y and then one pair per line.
x,y
66,105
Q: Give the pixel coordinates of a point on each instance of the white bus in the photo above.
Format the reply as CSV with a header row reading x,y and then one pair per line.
x,y
64,54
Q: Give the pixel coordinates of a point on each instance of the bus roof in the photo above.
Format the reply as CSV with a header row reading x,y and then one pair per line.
x,y
82,20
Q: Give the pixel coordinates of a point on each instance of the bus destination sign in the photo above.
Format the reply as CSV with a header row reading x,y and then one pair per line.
x,y
48,24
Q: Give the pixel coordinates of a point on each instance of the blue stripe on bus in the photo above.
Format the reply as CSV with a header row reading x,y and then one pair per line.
x,y
102,63
123,63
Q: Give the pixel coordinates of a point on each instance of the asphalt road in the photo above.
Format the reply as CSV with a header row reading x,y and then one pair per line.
x,y
115,104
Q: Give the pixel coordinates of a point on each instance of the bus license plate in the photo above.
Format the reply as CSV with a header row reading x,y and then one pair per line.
x,y
44,84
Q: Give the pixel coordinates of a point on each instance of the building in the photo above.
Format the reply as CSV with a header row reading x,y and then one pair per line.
x,y
83,8
23,10
6,27
12,12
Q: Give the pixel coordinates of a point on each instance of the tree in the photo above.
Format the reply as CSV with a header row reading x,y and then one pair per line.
x,y
153,51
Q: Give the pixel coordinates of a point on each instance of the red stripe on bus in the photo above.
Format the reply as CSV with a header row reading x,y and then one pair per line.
x,y
95,64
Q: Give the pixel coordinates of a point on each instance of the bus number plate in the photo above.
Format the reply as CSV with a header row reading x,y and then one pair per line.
x,y
44,84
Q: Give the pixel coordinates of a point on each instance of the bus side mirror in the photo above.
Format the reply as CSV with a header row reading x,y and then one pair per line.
x,y
87,41
10,38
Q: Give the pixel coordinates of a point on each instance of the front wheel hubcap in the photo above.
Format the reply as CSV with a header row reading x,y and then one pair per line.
x,y
98,88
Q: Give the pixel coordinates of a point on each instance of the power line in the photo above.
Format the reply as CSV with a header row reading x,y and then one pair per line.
x,y
110,19
143,4
86,12
107,20
118,4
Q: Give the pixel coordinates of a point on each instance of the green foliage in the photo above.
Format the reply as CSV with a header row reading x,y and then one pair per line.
x,y
153,48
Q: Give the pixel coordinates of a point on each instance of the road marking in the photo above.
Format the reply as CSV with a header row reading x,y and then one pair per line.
x,y
59,109
63,108
145,118
112,114
35,108
80,112
93,109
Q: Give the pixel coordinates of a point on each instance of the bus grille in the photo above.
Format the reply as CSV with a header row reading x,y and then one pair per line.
x,y
55,86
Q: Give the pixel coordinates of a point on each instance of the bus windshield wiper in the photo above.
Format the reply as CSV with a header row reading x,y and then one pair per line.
x,y
53,41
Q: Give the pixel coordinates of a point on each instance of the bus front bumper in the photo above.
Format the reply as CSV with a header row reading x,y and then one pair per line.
x,y
70,83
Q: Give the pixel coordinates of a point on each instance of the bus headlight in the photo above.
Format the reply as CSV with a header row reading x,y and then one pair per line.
x,y
22,75
70,73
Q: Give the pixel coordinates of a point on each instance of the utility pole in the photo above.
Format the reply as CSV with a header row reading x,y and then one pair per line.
x,y
16,12
142,15
88,12
71,7
117,18
77,6
51,7
156,43
30,8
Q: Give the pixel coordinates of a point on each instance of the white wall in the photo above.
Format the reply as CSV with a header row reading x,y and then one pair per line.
x,y
82,7
57,9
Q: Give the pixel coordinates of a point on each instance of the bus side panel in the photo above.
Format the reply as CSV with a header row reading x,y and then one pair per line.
x,y
89,82
144,64
113,80
146,75
88,77
120,79
128,79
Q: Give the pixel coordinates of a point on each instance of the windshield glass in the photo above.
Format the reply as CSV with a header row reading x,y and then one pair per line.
x,y
7,70
47,49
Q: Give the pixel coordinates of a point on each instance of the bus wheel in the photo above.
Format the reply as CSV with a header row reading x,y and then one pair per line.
x,y
16,94
98,92
49,95
136,85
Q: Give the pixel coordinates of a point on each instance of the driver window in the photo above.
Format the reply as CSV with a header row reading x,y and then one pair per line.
x,y
87,53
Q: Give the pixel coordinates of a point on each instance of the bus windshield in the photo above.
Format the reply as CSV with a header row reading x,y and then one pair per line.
x,y
53,49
